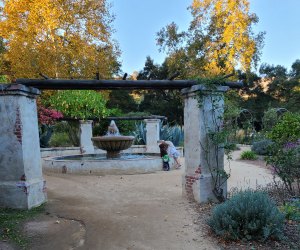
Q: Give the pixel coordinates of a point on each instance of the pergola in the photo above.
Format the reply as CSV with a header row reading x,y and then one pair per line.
x,y
21,180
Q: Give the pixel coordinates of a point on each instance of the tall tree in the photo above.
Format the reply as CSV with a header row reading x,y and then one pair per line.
x,y
220,38
283,86
60,38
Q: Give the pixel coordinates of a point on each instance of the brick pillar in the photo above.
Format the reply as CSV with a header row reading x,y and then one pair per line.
x,y
21,181
86,133
199,120
152,135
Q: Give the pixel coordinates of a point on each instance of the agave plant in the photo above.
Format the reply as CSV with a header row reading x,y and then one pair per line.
x,y
140,133
174,134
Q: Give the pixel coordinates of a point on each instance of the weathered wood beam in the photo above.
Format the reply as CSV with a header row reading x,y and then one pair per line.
x,y
132,118
63,84
117,118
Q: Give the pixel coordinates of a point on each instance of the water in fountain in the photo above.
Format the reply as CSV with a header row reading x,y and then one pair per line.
x,y
113,129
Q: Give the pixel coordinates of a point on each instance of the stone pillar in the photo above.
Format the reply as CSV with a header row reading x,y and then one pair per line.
x,y
21,181
86,133
152,135
200,154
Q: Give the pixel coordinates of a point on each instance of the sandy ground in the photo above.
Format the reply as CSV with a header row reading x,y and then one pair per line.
x,y
133,212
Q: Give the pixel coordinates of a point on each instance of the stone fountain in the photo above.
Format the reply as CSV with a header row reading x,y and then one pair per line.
x,y
112,163
113,142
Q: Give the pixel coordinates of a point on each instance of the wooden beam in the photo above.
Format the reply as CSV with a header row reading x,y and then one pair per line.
x,y
117,118
63,84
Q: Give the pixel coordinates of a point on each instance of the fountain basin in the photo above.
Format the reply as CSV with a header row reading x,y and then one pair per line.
x,y
98,164
113,144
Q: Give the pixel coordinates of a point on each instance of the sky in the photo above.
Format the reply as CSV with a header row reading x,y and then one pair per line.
x,y
137,22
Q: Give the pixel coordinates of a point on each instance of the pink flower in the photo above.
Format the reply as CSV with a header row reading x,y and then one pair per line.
x,y
48,116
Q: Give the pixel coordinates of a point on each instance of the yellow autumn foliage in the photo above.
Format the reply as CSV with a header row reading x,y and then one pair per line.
x,y
60,38
231,42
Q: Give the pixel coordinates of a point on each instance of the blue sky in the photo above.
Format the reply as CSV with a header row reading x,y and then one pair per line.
x,y
138,21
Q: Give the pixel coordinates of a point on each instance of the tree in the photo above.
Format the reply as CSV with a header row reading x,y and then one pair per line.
x,y
284,87
122,100
59,38
220,38
160,102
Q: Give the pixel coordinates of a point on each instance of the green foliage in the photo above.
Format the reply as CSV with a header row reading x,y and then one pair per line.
x,y
247,215
248,155
60,139
286,130
122,100
10,220
174,134
291,210
126,127
45,133
81,104
261,147
140,133
270,119
285,152
3,79
286,164
283,87
160,102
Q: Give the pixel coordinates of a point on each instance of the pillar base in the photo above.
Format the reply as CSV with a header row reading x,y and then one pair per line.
x,y
199,187
23,194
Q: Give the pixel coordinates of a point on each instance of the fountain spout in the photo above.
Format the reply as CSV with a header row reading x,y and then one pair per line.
x,y
113,129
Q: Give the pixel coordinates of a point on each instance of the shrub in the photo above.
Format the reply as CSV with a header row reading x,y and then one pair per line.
x,y
261,147
82,104
248,155
291,210
247,215
285,152
60,139
286,130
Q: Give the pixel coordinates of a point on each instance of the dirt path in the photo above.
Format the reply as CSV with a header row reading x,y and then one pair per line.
x,y
134,212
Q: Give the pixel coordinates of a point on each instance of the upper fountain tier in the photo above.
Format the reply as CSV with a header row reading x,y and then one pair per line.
x,y
113,142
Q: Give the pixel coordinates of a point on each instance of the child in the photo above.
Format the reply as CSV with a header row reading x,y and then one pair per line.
x,y
164,155
166,159
174,153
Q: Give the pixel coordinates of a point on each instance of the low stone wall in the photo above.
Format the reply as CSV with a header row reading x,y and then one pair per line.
x,y
62,151
150,164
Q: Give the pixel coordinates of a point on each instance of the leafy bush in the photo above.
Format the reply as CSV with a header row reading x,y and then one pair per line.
x,y
248,155
60,139
46,119
261,147
82,104
285,152
286,130
291,210
271,118
247,215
